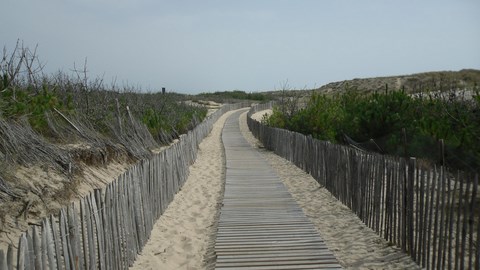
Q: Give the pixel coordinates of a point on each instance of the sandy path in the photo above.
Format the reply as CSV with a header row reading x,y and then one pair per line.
x,y
354,244
183,236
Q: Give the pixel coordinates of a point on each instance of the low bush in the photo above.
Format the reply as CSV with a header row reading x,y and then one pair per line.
x,y
395,123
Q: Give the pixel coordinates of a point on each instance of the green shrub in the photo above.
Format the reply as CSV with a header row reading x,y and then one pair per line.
x,y
181,118
15,103
386,118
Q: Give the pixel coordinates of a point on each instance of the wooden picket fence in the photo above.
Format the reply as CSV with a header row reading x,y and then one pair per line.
x,y
109,227
430,214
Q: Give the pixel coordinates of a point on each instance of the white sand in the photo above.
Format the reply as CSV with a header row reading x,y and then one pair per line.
x,y
354,244
183,236
259,116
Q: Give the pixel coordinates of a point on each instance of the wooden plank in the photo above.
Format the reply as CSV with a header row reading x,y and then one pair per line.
x,y
477,253
256,235
280,262
37,253
107,228
98,207
282,267
420,222
471,249
451,207
431,239
441,241
10,257
112,218
124,222
22,255
30,262
44,245
57,242
3,261
411,198
279,253
66,249
129,214
269,247
84,221
118,220
426,221
139,219
50,244
459,213
271,243
92,244
74,237
464,225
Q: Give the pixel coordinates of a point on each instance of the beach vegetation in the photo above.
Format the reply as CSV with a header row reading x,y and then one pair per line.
x,y
441,127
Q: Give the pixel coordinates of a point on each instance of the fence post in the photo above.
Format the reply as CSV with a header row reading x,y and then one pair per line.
x,y
410,198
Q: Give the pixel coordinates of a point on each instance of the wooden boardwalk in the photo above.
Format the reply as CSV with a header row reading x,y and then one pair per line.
x,y
261,226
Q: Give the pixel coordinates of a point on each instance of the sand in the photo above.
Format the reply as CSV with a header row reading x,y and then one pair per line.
x,y
259,116
354,244
183,236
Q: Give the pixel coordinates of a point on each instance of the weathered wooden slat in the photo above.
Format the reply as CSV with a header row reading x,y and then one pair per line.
x,y
280,255
282,267
49,244
274,253
10,257
3,261
66,248
30,263
271,243
83,229
36,252
22,257
74,237
280,262
270,246
57,243
260,235
44,245
278,226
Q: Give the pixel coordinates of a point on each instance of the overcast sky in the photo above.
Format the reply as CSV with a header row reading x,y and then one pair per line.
x,y
250,45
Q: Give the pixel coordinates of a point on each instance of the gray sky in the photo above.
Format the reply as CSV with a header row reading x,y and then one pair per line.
x,y
251,45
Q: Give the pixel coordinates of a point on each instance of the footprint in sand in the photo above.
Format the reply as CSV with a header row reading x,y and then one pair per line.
x,y
199,231
186,244
162,251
